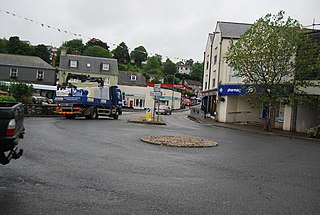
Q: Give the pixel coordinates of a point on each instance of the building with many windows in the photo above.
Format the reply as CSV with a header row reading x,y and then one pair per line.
x,y
105,68
29,69
223,92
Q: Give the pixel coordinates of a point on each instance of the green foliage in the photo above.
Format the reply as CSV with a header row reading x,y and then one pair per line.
x,y
153,63
129,67
4,87
7,99
74,46
139,55
97,51
121,53
197,71
42,52
15,46
264,56
3,46
169,68
20,90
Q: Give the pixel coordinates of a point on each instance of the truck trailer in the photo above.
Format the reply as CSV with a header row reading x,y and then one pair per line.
x,y
90,102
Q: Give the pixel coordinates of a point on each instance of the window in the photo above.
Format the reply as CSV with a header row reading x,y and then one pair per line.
x,y
40,75
13,73
73,64
207,66
105,67
133,78
215,60
107,81
213,83
205,86
88,65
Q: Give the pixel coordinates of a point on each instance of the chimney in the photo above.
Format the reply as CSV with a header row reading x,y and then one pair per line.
x,y
63,51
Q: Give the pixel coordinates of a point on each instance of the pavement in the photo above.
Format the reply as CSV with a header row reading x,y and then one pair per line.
x,y
249,127
255,128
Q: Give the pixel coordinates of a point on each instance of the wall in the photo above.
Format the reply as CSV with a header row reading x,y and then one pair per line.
x,y
306,118
28,75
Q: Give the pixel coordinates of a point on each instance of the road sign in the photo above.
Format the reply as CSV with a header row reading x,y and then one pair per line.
x,y
157,87
155,93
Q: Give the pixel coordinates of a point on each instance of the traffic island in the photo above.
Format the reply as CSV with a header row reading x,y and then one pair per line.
x,y
144,121
179,141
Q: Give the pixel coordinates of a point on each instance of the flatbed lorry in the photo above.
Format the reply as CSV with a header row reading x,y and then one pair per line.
x,y
90,102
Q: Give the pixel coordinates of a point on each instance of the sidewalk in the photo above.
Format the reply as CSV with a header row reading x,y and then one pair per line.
x,y
255,129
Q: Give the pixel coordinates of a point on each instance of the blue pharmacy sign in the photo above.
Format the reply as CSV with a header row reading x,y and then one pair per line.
x,y
236,90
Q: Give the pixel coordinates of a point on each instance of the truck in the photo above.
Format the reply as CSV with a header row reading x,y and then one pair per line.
x,y
89,102
11,131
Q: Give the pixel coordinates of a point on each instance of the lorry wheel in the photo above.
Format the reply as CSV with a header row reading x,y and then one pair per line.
x,y
94,114
116,115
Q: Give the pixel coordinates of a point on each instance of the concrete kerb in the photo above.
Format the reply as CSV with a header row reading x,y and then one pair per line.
x,y
247,129
142,120
179,141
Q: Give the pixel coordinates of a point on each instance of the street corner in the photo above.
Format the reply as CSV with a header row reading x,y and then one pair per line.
x,y
179,141
142,120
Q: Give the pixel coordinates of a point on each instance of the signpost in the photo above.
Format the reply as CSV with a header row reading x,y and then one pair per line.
x,y
156,97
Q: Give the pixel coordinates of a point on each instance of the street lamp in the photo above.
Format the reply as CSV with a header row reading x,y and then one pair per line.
x,y
174,77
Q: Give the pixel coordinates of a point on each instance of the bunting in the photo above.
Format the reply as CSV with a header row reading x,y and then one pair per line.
x,y
61,30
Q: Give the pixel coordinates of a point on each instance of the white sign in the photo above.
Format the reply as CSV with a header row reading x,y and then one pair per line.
x,y
155,93
157,87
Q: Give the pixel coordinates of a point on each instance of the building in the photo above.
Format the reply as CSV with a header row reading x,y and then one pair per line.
x,y
183,68
137,94
222,90
217,72
105,68
29,69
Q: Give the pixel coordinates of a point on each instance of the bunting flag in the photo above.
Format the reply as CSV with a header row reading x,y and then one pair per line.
x,y
80,35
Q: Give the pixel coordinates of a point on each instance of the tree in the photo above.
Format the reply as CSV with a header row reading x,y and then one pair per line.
x,y
121,53
16,46
264,57
169,68
74,46
3,46
97,42
42,52
153,63
20,91
97,51
139,55
197,71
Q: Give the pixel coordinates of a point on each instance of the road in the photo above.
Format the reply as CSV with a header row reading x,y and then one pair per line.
x,y
101,167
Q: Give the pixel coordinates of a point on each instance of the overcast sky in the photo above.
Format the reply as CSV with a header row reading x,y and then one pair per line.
x,y
173,28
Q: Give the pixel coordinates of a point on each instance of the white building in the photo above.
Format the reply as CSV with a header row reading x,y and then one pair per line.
x,y
222,90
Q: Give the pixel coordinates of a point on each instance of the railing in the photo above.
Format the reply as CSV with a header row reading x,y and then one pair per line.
x,y
197,113
39,110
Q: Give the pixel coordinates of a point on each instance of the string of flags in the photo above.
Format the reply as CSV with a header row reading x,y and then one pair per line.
x,y
62,30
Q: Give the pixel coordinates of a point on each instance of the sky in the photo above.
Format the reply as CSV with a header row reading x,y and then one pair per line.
x,y
175,29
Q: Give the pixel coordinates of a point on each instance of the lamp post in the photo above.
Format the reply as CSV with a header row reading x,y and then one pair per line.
x,y
172,97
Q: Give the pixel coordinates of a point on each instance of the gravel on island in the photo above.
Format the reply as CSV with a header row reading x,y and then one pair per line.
x,y
179,141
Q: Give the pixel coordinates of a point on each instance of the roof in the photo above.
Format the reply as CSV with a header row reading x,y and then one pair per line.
x,y
232,29
125,79
193,82
24,61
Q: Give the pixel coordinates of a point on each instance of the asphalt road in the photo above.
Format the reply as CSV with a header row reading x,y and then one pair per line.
x,y
101,167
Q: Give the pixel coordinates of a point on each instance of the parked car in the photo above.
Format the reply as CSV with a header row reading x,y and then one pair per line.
x,y
163,109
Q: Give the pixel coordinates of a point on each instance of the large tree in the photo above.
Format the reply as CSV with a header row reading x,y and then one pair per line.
x,y
264,56
42,52
74,46
139,54
197,71
97,51
121,53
